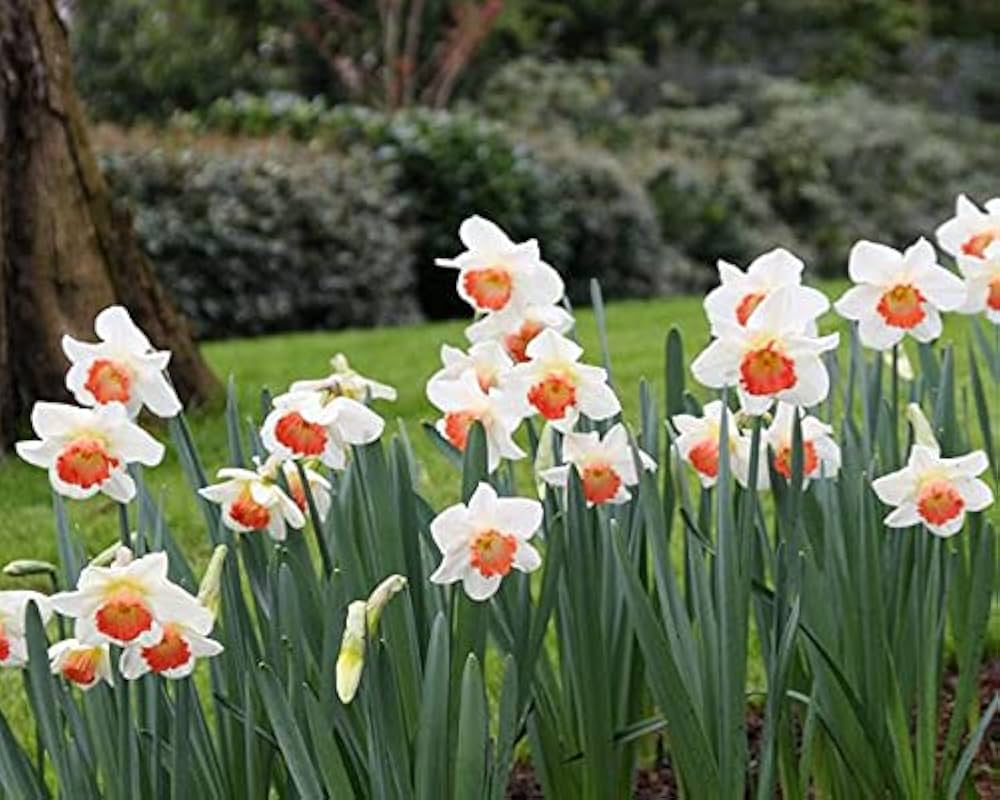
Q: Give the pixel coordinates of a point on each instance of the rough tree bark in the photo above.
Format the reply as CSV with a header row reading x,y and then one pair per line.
x,y
66,250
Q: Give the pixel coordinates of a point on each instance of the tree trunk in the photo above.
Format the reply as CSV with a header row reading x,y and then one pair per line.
x,y
66,251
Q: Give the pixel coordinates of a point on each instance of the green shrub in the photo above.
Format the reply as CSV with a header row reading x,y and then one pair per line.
x,y
610,230
588,214
250,244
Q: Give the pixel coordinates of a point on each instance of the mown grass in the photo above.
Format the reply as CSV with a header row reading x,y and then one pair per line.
x,y
404,357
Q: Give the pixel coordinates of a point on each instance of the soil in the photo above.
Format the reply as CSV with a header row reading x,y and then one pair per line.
x,y
657,781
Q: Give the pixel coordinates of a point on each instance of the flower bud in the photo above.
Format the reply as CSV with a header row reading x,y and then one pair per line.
x,y
351,660
923,433
26,567
209,591
382,594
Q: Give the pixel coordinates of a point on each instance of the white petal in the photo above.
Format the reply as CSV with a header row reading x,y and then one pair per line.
x,y
114,324
357,423
479,588
893,489
483,504
119,486
874,333
597,400
969,465
159,396
717,365
132,443
453,566
132,665
51,420
526,558
479,233
904,516
929,328
518,515
812,384
38,453
555,476
450,527
976,494
870,262
942,288
858,301
551,345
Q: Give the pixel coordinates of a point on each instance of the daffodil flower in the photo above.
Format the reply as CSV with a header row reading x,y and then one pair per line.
x,y
934,491
464,402
13,610
515,328
483,541
86,450
820,453
698,444
488,361
121,368
555,384
316,424
319,487
344,381
176,654
739,293
972,236
606,465
125,603
772,357
85,665
253,501
972,230
898,293
495,273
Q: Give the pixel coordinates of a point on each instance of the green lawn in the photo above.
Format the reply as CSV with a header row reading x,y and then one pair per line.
x,y
403,356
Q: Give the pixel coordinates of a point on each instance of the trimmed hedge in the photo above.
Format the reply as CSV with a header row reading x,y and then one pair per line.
x,y
250,244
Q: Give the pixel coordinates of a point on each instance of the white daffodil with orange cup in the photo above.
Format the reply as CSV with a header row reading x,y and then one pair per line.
x,y
898,293
556,385
463,402
698,443
774,356
972,236
319,487
121,368
820,453
488,360
495,273
739,292
252,500
316,424
933,491
86,450
13,610
605,464
124,603
515,328
83,665
483,541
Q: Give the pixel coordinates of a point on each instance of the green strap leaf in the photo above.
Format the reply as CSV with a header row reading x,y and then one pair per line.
x,y
473,735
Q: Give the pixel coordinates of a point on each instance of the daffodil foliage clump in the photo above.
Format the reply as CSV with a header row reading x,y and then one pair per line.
x,y
834,497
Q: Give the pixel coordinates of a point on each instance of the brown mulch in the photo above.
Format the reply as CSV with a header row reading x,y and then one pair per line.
x,y
657,781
